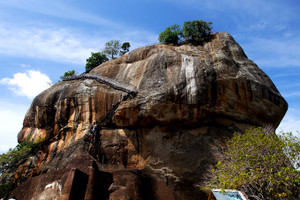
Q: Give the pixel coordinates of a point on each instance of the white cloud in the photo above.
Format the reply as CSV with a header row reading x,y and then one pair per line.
x,y
285,74
260,25
59,41
57,8
28,84
65,45
273,52
25,65
56,44
11,121
291,94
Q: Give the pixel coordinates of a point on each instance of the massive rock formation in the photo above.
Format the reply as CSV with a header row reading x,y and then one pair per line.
x,y
158,143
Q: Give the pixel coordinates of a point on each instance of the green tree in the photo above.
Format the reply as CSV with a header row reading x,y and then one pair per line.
x,y
12,170
125,48
261,164
95,60
112,48
197,31
68,73
171,35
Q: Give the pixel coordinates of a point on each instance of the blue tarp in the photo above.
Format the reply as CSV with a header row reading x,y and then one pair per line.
x,y
227,195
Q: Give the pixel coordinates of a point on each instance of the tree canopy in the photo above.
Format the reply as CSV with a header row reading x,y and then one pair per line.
x,y
261,164
195,32
95,60
171,35
125,48
112,48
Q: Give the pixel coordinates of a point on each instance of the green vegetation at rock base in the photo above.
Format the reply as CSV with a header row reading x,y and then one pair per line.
x,y
261,164
16,166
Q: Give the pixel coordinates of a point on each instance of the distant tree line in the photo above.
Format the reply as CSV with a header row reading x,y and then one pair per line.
x,y
195,32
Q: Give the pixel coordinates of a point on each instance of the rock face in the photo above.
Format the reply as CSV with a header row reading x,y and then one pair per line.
x,y
159,143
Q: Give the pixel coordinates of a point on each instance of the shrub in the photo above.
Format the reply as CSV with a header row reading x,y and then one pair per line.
x,y
12,168
261,164
68,73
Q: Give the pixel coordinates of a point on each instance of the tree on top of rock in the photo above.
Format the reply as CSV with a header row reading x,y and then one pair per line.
x,y
197,31
112,48
95,60
171,35
125,48
68,73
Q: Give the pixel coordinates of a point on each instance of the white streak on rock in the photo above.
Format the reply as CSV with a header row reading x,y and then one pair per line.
x,y
55,186
187,67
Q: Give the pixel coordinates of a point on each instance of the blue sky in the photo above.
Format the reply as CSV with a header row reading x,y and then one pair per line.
x,y
40,40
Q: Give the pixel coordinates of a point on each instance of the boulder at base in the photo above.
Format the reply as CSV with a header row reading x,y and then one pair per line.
x,y
160,141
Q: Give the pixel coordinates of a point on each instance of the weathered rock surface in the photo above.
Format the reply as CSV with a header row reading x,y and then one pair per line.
x,y
162,140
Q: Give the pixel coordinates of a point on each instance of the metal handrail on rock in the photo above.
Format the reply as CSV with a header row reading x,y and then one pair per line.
x,y
129,89
105,120
104,80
